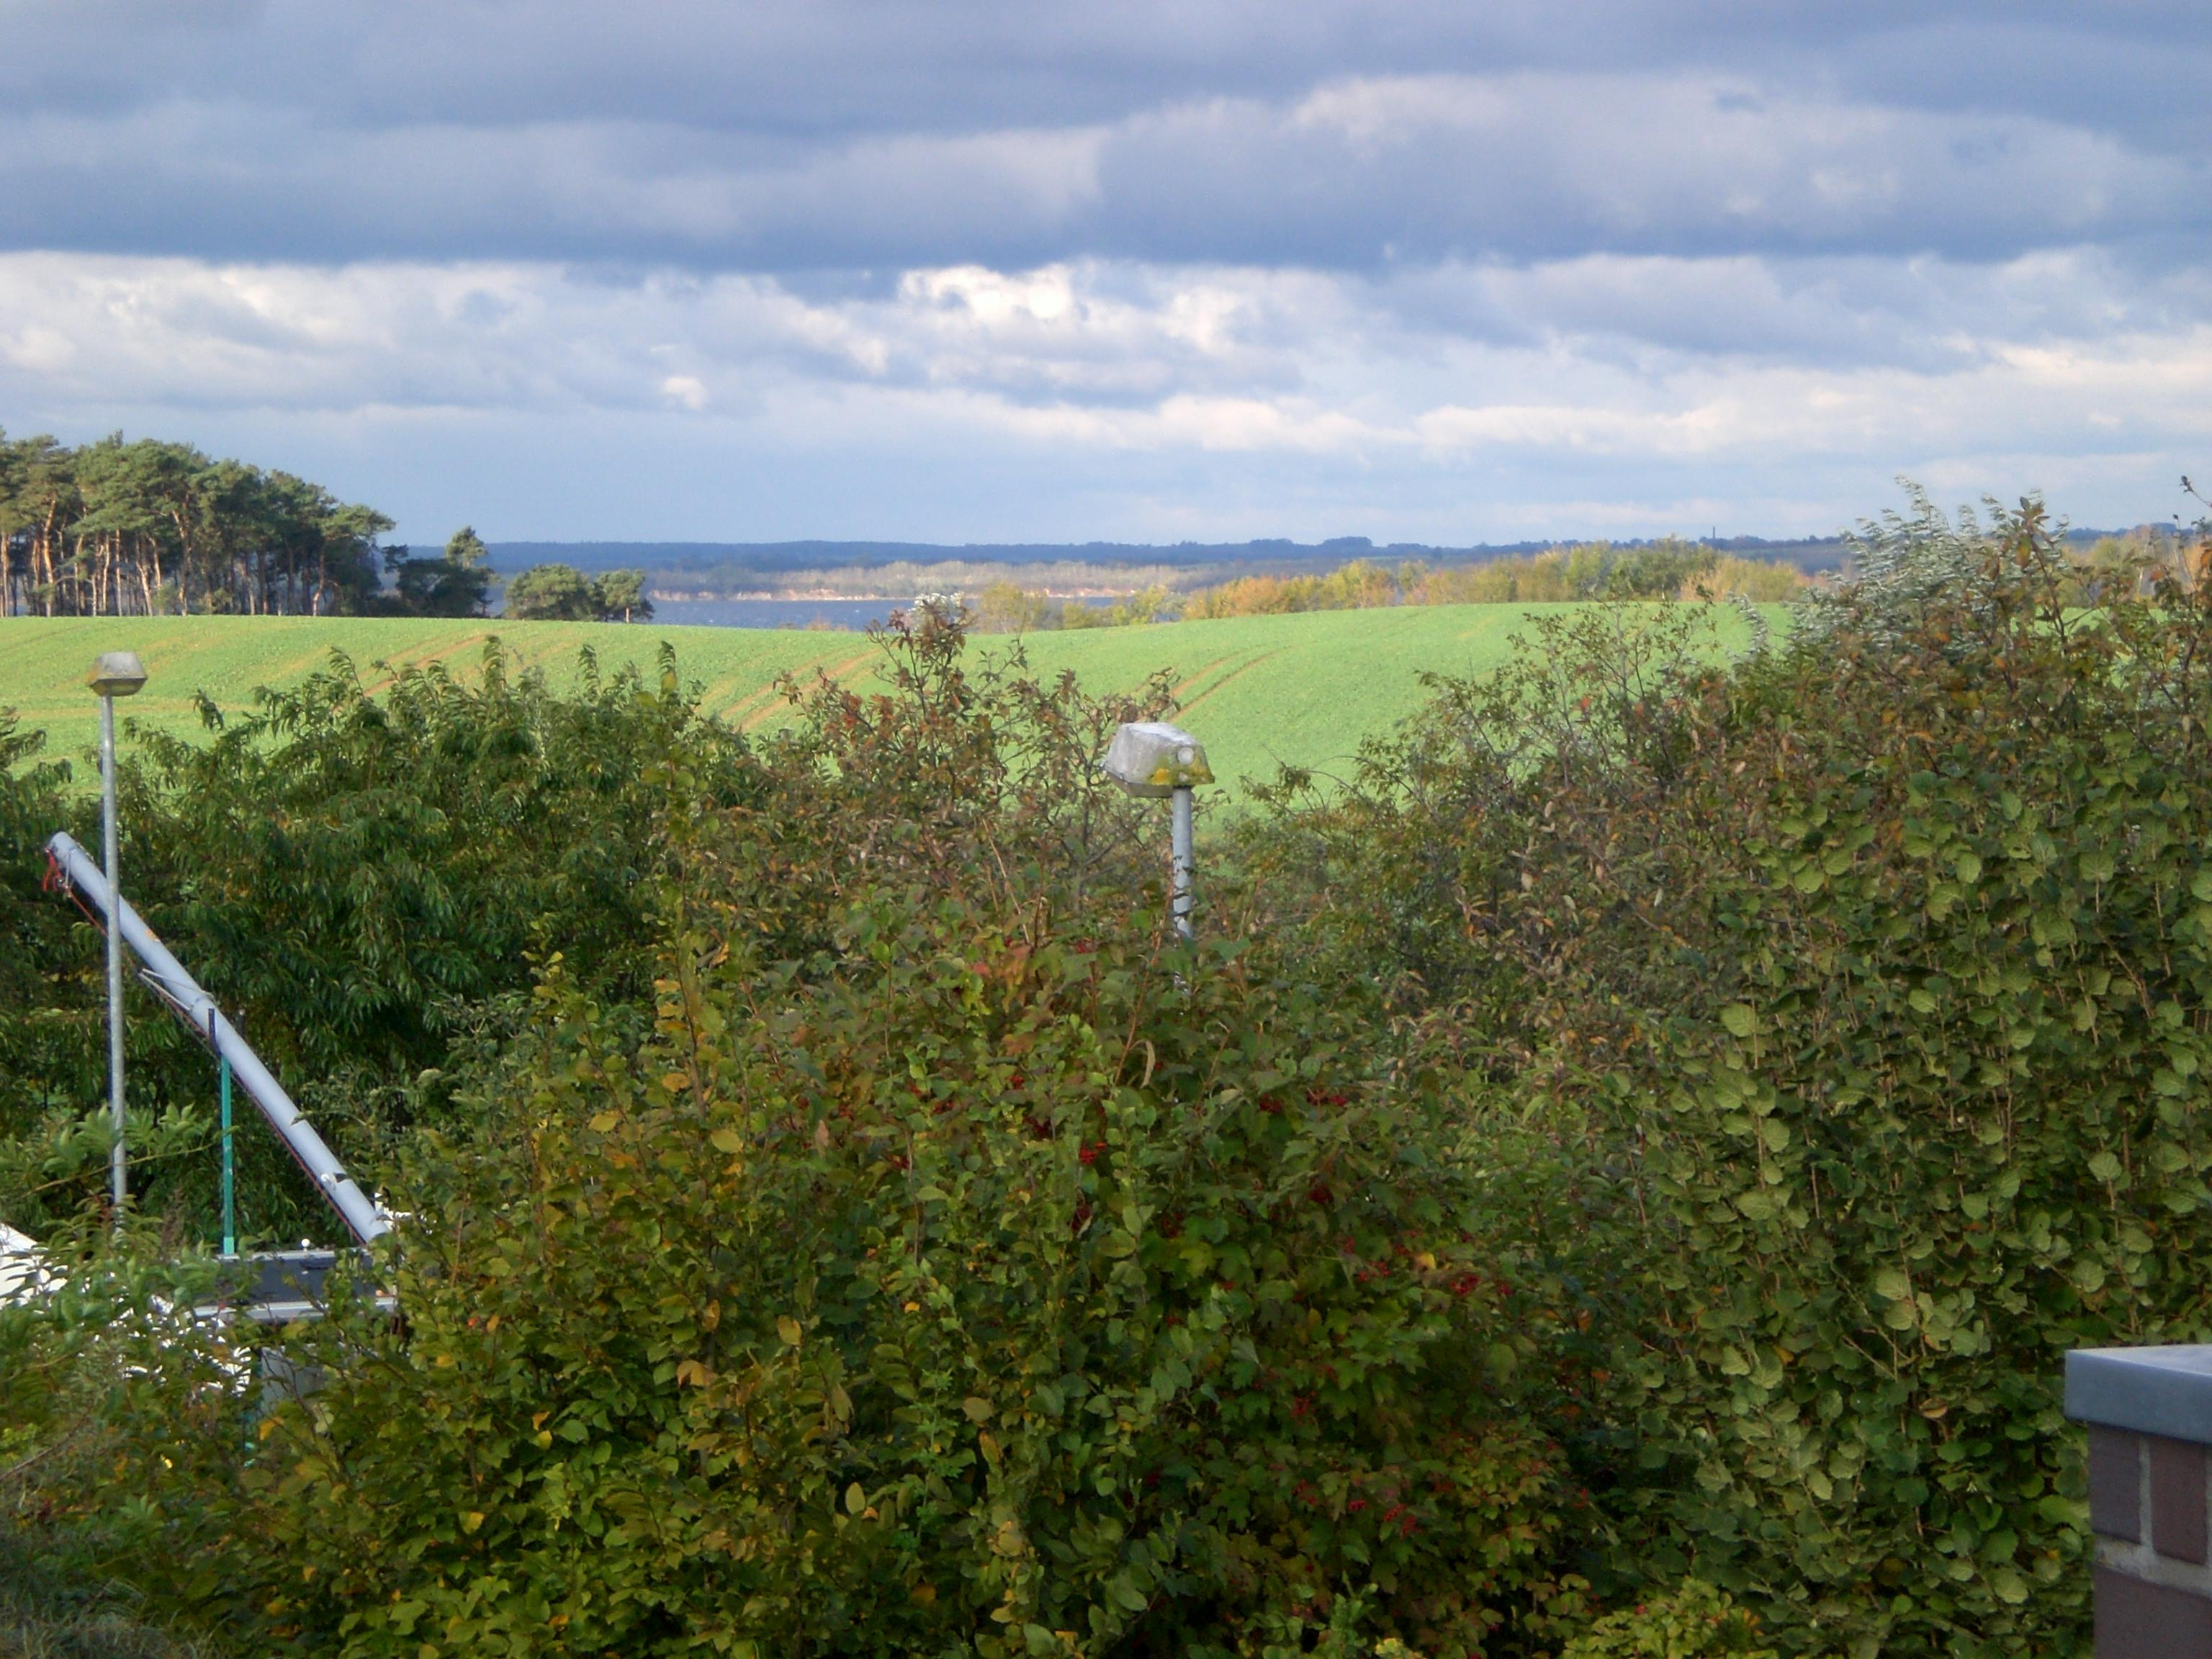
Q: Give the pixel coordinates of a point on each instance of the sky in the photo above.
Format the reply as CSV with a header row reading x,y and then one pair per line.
x,y
978,271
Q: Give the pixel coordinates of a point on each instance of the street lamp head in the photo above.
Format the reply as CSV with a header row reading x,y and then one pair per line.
x,y
118,674
1153,759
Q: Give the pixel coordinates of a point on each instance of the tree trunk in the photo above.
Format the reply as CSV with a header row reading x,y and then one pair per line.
x,y
184,562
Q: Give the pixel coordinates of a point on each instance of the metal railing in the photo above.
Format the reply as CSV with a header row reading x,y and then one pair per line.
x,y
74,869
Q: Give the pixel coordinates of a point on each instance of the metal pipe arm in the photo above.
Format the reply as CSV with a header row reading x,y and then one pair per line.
x,y
166,975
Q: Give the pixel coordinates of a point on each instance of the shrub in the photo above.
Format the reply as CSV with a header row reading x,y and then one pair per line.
x,y
1360,585
1760,581
53,1039
36,1039
551,592
103,1379
1863,989
362,881
1006,607
990,1277
998,1291
1695,1621
1538,580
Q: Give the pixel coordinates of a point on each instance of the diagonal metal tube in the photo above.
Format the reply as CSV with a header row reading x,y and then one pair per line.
x,y
167,977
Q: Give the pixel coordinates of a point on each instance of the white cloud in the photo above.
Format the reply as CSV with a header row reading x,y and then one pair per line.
x,y
1598,385
687,391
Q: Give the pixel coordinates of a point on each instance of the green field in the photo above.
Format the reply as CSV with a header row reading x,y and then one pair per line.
x,y
1258,689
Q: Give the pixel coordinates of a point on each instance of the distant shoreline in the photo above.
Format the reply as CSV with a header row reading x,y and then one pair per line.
x,y
840,596
893,572
822,570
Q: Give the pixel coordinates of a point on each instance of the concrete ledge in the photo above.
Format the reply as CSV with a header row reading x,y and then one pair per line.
x,y
2158,1391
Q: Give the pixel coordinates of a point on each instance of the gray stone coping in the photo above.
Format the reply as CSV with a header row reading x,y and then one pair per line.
x,y
2161,1391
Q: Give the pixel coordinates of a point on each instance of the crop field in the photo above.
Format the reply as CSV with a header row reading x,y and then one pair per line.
x,y
1303,689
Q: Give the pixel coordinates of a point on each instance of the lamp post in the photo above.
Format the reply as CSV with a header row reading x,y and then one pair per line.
x,y
1153,761
116,674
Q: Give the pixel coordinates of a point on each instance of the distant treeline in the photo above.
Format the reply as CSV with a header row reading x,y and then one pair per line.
x,y
1591,570
1066,578
149,527
1668,569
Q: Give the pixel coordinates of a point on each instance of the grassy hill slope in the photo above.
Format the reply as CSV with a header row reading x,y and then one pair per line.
x,y
1258,689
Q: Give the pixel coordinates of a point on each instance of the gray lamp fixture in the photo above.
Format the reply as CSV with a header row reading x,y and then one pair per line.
x,y
116,674
1153,761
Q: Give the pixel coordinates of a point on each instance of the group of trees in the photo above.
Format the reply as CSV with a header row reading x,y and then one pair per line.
x,y
561,592
1616,1174
456,583
118,528
149,528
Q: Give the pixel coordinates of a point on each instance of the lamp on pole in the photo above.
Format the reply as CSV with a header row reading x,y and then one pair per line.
x,y
116,674
1153,760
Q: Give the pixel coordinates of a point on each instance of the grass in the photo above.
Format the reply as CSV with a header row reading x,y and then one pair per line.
x,y
1301,690
51,1608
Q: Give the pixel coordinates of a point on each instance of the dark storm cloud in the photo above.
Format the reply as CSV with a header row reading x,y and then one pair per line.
x,y
854,136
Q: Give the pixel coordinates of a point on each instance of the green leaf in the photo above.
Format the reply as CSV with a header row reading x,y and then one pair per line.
x,y
1739,1019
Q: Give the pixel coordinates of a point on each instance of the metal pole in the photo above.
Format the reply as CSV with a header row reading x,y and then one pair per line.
x,y
229,1203
1184,859
118,1189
